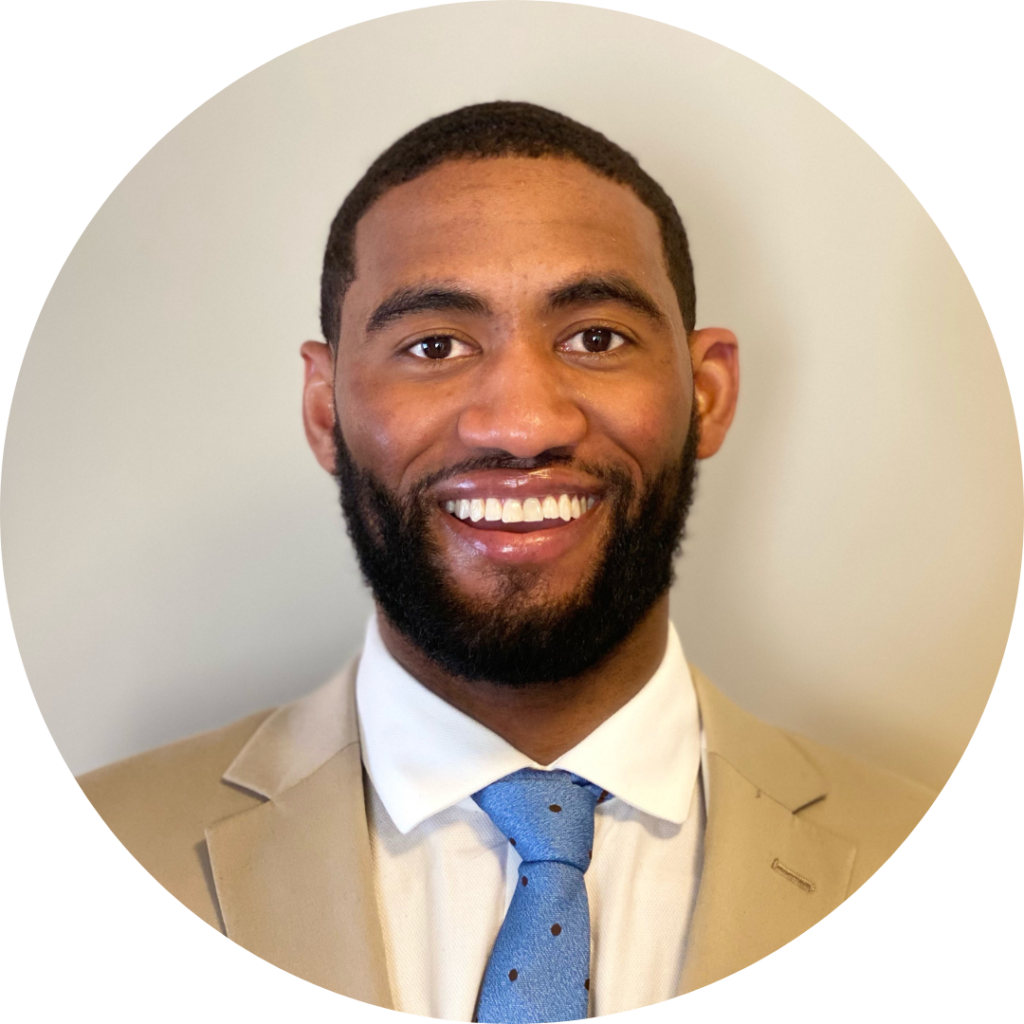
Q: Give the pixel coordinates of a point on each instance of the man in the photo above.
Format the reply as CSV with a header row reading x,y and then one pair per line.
x,y
519,803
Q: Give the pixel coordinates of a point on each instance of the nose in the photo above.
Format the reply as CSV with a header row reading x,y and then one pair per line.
x,y
522,403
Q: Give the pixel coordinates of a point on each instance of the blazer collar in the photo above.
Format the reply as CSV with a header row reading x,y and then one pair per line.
x,y
760,752
768,874
294,876
298,738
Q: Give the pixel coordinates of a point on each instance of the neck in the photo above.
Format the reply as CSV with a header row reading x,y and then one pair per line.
x,y
545,720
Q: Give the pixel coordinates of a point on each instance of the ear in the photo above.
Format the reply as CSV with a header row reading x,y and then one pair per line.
x,y
714,356
318,401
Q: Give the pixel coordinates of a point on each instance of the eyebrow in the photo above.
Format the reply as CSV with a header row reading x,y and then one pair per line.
x,y
426,298
593,288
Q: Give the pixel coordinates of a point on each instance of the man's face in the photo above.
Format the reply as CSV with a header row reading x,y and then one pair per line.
x,y
512,347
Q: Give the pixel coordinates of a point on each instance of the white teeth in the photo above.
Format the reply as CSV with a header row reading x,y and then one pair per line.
x,y
512,511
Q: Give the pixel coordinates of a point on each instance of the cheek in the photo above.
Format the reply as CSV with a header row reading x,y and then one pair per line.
x,y
389,426
648,420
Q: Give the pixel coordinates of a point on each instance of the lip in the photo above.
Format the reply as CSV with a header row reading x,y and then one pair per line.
x,y
503,483
523,548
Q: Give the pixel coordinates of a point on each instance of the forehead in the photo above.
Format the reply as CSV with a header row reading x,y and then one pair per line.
x,y
510,219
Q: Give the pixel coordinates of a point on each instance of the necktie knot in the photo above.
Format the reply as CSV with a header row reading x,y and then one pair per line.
x,y
546,815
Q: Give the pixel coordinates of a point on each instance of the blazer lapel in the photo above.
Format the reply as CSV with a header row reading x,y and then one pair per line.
x,y
293,875
768,875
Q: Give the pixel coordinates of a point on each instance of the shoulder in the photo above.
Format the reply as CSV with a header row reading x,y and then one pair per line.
x,y
872,808
159,804
179,782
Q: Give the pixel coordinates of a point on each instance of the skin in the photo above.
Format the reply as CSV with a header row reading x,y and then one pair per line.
x,y
509,235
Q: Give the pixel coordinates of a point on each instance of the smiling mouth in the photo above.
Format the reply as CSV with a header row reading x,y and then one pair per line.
x,y
513,515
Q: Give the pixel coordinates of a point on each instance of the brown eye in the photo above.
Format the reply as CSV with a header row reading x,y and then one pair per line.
x,y
595,339
439,348
435,348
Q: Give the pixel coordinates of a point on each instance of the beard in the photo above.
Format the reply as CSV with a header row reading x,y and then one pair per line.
x,y
517,638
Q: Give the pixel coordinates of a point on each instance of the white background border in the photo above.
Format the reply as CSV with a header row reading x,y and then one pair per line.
x,y
935,89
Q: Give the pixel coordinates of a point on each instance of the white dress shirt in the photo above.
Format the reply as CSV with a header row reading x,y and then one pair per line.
x,y
444,874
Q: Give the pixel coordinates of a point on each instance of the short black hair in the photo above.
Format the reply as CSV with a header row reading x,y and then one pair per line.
x,y
498,129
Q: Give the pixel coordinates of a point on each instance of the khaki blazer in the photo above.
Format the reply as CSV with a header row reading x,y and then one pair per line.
x,y
260,829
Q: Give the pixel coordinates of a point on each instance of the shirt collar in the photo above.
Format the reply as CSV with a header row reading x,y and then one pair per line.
x,y
423,755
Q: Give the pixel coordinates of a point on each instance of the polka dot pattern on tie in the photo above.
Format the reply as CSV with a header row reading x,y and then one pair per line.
x,y
539,969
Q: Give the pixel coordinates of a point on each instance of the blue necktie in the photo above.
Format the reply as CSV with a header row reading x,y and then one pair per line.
x,y
539,969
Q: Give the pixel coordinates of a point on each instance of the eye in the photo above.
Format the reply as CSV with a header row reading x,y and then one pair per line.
x,y
594,339
438,347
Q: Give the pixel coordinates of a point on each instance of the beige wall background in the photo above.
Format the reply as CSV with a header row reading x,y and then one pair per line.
x,y
174,558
